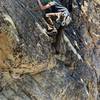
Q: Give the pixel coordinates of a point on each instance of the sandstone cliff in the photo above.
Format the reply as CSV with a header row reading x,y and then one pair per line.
x,y
29,67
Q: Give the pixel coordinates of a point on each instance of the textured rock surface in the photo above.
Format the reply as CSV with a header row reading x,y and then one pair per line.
x,y
29,67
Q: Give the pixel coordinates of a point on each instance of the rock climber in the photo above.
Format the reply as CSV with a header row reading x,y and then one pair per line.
x,y
56,12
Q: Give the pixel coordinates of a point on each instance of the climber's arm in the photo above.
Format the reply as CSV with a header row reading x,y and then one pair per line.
x,y
43,7
36,9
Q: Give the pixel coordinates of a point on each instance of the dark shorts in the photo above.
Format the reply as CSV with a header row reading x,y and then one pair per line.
x,y
59,8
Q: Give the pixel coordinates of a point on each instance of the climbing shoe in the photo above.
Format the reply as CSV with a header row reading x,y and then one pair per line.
x,y
52,32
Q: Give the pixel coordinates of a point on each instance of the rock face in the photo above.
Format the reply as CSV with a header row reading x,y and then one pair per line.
x,y
29,67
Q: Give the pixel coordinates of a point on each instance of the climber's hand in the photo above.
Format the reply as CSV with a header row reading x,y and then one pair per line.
x,y
52,3
43,7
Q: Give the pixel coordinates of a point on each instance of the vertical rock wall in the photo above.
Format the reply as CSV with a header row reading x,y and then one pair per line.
x,y
29,67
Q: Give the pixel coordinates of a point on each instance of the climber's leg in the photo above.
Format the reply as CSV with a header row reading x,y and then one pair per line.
x,y
54,16
50,24
49,18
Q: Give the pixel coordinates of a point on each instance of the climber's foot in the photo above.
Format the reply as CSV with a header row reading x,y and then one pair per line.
x,y
52,32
